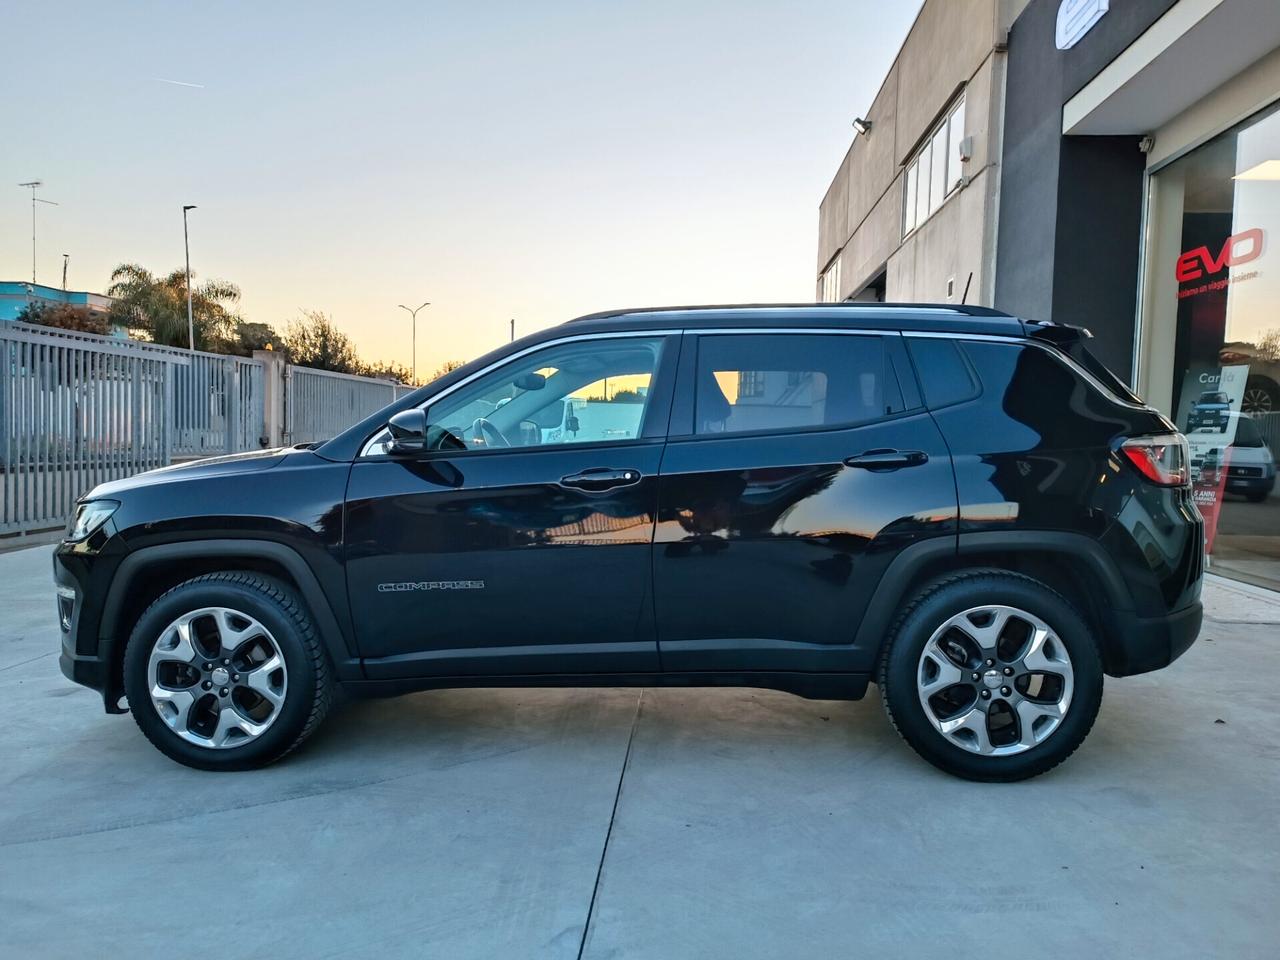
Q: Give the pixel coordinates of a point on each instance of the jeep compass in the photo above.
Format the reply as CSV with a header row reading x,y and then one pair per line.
x,y
964,508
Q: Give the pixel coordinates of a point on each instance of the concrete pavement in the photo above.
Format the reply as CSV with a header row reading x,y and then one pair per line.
x,y
747,824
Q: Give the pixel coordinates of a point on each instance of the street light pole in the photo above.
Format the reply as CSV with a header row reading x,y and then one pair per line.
x,y
66,258
513,329
414,314
35,185
186,243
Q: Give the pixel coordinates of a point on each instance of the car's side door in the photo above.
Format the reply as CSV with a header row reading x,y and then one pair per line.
x,y
798,465
519,542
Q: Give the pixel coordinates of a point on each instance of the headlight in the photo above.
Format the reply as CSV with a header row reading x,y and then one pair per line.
x,y
89,517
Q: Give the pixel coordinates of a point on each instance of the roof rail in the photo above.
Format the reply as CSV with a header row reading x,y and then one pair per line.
x,y
958,309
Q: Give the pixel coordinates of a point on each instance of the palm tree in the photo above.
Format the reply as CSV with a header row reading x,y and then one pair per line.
x,y
158,306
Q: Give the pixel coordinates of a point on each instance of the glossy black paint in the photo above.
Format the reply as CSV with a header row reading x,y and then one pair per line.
x,y
768,548
1036,451
508,568
773,559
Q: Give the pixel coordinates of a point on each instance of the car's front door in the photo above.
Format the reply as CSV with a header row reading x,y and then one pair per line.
x,y
798,465
519,542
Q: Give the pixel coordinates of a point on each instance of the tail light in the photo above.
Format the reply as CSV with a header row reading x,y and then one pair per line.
x,y
1163,460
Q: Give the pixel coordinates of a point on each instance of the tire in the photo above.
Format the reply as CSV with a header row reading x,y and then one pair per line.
x,y
271,665
1261,395
1257,496
1027,721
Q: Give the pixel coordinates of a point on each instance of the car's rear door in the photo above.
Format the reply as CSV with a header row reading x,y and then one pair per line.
x,y
798,465
523,544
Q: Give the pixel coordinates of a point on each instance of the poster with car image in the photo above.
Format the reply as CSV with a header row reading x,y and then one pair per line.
x,y
1211,425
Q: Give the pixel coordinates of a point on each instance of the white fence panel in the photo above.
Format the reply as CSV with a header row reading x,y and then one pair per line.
x,y
75,411
320,404
217,405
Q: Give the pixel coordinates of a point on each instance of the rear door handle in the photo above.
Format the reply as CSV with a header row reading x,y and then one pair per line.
x,y
600,478
885,460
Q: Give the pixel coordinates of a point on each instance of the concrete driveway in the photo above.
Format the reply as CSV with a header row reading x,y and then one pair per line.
x,y
667,824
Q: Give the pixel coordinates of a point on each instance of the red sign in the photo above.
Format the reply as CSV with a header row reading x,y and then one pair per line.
x,y
1241,248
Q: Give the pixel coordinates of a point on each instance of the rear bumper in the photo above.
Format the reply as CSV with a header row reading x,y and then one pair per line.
x,y
1143,644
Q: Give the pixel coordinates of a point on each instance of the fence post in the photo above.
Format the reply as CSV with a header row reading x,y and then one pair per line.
x,y
272,395
231,395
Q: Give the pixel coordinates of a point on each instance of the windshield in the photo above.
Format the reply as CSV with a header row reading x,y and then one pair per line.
x,y
1247,433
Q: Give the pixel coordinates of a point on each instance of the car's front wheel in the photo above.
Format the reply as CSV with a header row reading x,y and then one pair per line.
x,y
991,676
226,672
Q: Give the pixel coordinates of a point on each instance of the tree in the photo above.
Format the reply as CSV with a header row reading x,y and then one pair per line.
x,y
314,341
447,367
157,306
254,336
627,396
64,316
1269,345
387,371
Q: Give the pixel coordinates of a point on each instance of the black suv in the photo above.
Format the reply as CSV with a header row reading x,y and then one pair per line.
x,y
963,507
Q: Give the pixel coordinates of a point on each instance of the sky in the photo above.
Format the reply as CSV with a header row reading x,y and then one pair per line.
x,y
501,160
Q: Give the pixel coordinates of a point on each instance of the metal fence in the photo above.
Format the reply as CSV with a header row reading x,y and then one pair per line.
x,y
1269,427
320,404
217,405
78,409
75,411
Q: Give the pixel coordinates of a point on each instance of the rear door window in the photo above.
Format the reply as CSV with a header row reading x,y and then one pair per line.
x,y
750,383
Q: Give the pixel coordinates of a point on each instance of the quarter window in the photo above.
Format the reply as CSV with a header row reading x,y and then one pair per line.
x,y
753,382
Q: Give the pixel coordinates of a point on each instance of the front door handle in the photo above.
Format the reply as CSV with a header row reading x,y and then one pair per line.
x,y
885,460
600,478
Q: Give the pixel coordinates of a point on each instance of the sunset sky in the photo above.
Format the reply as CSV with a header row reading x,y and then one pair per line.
x,y
509,159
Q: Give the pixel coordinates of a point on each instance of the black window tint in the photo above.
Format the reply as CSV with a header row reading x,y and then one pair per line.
x,y
1102,373
944,375
751,382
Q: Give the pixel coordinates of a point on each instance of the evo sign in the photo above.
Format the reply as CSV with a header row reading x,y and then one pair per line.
x,y
1244,247
1076,18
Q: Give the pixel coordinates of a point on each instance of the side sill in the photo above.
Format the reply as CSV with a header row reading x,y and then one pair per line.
x,y
811,686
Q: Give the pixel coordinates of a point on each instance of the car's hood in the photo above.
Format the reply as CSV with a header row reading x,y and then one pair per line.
x,y
251,462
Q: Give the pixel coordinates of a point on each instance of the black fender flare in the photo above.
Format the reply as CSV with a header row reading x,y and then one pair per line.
x,y
904,571
346,664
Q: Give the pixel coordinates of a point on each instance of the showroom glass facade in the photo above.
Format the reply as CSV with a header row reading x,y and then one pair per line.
x,y
1211,334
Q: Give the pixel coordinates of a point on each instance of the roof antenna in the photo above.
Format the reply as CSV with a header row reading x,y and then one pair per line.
x,y
966,289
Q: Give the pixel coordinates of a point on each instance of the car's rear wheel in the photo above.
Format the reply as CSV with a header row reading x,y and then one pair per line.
x,y
226,672
991,676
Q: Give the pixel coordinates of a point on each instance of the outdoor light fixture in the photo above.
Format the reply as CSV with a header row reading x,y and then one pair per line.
x,y
862,126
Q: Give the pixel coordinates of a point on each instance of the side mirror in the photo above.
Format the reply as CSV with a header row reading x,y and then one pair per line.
x,y
408,430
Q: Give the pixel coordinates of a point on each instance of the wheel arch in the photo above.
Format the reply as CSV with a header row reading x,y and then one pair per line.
x,y
147,573
1070,563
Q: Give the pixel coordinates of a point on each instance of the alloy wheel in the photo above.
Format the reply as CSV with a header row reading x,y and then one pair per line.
x,y
217,677
1256,400
995,680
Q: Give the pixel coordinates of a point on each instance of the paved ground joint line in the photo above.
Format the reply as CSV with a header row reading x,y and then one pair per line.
x,y
613,814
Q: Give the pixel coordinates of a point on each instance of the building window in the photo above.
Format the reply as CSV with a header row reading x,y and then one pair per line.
x,y
830,282
935,171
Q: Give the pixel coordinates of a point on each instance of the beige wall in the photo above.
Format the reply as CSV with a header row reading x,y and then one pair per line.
x,y
952,45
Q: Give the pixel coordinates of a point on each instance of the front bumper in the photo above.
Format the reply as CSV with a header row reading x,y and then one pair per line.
x,y
85,657
1250,484
1143,644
